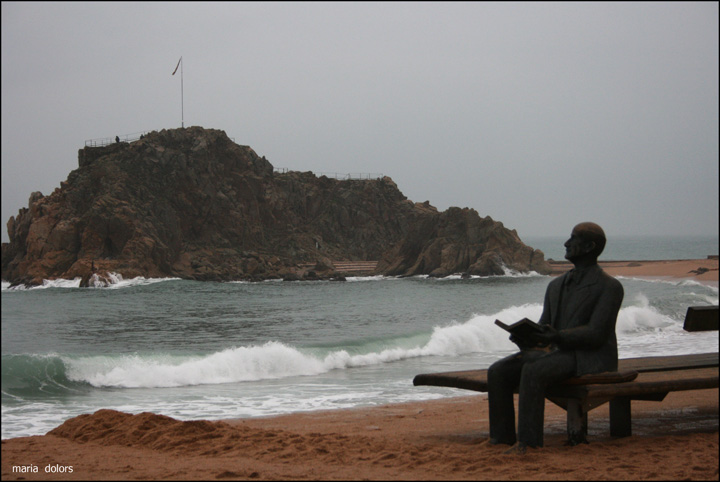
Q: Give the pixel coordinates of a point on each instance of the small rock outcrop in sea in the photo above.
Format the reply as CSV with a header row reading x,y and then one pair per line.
x,y
191,203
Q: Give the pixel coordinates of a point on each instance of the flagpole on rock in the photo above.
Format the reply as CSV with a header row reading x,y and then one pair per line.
x,y
182,96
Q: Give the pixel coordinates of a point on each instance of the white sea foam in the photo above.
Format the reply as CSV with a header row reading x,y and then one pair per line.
x,y
117,281
59,283
274,360
642,317
520,274
113,281
369,278
56,283
712,285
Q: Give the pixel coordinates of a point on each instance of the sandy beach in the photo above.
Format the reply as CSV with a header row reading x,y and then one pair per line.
x,y
702,270
434,440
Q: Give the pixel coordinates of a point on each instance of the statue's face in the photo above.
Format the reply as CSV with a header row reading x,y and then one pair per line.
x,y
577,246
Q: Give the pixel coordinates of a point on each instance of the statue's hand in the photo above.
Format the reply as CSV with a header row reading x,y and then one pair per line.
x,y
522,343
547,337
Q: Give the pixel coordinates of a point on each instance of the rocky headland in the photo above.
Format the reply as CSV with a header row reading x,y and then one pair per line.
x,y
190,203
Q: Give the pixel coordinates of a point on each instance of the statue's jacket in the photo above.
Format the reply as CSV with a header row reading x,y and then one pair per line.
x,y
585,317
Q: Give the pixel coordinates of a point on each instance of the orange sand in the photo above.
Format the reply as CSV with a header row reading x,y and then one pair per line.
x,y
702,270
435,440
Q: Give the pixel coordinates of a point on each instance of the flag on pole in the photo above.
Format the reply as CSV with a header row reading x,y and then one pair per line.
x,y
178,65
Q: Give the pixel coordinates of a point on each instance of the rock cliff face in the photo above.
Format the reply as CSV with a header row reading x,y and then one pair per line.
x,y
191,203
460,241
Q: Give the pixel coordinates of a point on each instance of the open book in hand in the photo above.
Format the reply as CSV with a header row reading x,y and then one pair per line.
x,y
522,332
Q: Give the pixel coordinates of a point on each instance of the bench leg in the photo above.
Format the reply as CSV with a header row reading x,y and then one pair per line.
x,y
577,423
620,417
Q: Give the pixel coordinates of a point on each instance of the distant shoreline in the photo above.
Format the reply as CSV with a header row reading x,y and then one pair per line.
x,y
702,270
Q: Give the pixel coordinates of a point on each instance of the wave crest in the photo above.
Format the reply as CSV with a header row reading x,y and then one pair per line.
x,y
272,360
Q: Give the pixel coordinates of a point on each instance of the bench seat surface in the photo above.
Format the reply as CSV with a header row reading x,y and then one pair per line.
x,y
685,372
647,383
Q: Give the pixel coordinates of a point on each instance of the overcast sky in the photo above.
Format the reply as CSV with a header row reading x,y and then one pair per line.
x,y
541,115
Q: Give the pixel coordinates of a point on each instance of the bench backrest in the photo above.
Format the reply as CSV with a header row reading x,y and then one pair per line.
x,y
664,363
701,318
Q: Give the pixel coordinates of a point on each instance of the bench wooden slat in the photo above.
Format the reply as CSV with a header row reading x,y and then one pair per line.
x,y
602,378
649,383
674,362
476,380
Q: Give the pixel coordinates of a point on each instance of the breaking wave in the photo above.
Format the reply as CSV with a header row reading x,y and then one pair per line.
x,y
26,375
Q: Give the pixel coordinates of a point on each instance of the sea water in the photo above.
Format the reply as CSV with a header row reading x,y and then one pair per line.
x,y
210,350
621,248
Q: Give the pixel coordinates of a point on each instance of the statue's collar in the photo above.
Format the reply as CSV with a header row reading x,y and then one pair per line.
x,y
578,275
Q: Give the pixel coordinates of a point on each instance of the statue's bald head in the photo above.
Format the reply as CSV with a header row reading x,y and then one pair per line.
x,y
591,232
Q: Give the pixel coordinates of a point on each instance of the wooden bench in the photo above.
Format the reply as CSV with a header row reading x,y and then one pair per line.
x,y
645,378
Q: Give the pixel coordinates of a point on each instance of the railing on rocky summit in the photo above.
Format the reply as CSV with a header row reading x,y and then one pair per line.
x,y
339,176
105,141
111,140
